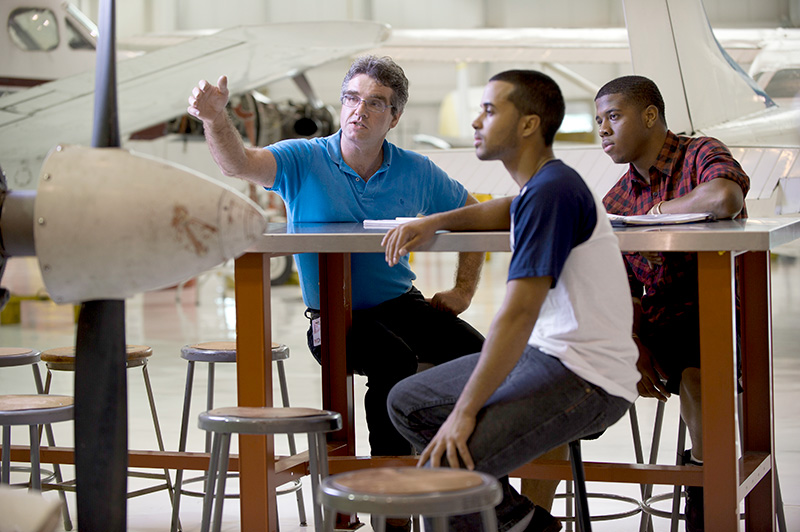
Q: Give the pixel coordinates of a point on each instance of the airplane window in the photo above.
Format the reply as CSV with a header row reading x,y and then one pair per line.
x,y
76,40
785,83
33,29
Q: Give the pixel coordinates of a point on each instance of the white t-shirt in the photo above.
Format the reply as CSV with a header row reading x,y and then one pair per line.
x,y
559,229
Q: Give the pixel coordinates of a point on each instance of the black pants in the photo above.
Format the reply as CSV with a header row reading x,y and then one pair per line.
x,y
386,342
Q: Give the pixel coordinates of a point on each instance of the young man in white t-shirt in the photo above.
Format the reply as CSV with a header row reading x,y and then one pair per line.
x,y
558,362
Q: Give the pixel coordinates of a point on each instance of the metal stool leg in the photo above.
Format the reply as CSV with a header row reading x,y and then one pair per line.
x,y
439,523
318,464
209,494
676,492
225,447
187,403
301,508
59,479
582,503
210,399
36,468
157,426
489,518
48,381
646,523
40,389
5,472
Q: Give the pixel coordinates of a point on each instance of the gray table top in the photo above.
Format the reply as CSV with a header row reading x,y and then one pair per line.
x,y
753,234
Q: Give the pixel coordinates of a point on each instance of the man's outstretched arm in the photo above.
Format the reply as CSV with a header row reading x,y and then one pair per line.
x,y
207,103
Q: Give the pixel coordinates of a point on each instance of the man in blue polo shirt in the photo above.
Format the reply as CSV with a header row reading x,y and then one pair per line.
x,y
558,362
351,176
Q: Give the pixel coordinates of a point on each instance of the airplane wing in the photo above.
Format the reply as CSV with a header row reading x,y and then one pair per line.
x,y
155,87
554,45
774,173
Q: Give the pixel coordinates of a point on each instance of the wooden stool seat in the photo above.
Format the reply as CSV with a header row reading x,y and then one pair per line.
x,y
28,403
401,491
65,356
32,402
407,481
30,410
18,356
263,413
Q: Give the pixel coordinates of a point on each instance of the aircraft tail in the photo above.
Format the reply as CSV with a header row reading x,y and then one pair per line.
x,y
671,42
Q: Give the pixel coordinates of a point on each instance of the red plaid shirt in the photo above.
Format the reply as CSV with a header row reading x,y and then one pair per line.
x,y
670,289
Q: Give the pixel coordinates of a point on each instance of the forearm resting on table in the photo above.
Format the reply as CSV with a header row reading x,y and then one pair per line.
x,y
721,197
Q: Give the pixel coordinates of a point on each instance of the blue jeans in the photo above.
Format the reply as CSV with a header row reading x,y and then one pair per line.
x,y
539,406
386,342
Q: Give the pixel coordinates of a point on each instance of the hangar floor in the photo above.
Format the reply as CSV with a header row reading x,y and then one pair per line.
x,y
204,314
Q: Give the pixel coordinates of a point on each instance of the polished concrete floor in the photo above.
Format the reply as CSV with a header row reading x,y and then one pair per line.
x,y
204,313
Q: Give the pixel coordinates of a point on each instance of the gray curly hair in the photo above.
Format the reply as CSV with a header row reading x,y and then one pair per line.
x,y
386,72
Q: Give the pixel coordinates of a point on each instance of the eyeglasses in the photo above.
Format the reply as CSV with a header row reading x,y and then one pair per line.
x,y
373,104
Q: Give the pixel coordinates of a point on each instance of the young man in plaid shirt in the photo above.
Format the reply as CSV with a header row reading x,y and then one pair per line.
x,y
668,173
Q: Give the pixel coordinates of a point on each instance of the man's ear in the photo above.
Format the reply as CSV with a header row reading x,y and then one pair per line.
x,y
650,115
395,119
530,124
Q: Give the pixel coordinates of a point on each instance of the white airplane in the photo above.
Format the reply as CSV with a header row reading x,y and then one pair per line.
x,y
153,87
56,38
26,117
706,93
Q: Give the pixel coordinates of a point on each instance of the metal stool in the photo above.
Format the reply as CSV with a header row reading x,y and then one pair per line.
x,y
646,489
579,481
31,410
63,359
402,491
223,422
677,493
213,353
24,356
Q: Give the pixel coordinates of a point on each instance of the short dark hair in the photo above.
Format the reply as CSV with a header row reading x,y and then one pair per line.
x,y
386,72
638,90
538,94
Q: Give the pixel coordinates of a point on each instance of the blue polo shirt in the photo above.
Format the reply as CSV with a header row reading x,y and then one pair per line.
x,y
318,186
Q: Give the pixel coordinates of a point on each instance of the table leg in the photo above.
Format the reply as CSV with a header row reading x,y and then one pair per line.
x,y
254,388
336,312
720,471
757,401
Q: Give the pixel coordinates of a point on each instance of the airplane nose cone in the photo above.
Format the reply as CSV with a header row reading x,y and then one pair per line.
x,y
109,223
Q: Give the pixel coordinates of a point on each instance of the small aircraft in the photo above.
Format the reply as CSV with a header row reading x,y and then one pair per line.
x,y
706,93
153,86
55,37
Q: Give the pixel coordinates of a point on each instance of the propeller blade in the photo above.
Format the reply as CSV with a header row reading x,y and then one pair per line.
x,y
101,408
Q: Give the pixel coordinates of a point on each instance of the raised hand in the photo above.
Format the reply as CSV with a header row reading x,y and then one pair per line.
x,y
207,101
